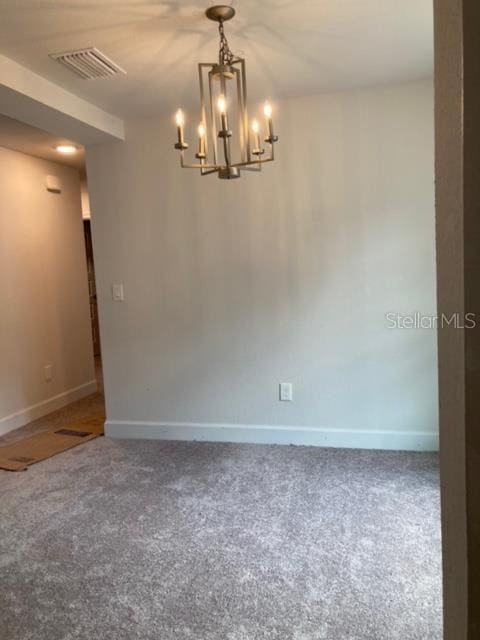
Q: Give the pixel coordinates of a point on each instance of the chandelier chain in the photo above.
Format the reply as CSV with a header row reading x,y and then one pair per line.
x,y
225,55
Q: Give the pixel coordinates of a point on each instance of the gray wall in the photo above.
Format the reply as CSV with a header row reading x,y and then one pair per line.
x,y
232,287
44,303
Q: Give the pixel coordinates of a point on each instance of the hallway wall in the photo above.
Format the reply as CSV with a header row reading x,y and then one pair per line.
x,y
44,317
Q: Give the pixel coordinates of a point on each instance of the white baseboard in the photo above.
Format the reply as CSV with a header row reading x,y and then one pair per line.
x,y
263,434
24,416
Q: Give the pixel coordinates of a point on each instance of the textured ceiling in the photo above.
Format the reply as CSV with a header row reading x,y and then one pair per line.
x,y
291,47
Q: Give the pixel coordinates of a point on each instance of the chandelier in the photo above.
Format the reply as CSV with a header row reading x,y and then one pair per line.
x,y
223,100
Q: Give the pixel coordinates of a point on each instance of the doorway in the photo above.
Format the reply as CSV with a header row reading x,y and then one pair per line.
x,y
49,341
92,289
92,286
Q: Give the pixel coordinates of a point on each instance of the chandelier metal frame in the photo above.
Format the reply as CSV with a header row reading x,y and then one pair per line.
x,y
214,132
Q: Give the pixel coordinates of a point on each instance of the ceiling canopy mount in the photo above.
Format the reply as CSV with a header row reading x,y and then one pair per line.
x,y
220,13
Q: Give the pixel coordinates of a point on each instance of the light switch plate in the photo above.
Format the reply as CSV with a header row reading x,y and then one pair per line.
x,y
117,292
286,391
48,372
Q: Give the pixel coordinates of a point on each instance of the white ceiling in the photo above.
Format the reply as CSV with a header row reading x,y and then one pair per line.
x,y
292,47
22,137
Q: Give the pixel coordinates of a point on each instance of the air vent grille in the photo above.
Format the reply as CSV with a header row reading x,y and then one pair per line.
x,y
89,64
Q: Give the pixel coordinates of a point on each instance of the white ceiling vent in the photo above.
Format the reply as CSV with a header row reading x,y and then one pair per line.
x,y
89,63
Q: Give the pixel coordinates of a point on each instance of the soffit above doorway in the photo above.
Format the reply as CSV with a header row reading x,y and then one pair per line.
x,y
22,137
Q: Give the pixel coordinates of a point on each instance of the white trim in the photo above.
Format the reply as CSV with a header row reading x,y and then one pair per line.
x,y
264,434
24,416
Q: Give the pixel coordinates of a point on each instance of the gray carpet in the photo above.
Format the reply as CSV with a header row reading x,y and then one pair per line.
x,y
124,540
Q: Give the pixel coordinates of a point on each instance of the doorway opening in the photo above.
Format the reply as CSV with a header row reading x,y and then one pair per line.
x,y
51,355
92,286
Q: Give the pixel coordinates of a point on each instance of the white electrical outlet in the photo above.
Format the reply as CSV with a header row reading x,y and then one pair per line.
x,y
286,391
48,372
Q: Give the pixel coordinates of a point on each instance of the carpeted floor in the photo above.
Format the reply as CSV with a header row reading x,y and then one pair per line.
x,y
125,540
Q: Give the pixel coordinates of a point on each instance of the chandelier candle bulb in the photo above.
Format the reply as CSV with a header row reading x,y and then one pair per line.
x,y
257,150
201,142
222,108
180,121
267,110
222,105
